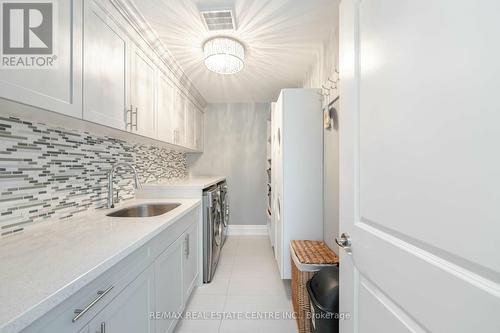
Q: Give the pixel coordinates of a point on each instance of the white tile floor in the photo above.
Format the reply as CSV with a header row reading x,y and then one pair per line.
x,y
246,282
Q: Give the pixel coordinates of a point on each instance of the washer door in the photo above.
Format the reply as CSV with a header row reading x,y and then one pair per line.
x,y
225,208
218,222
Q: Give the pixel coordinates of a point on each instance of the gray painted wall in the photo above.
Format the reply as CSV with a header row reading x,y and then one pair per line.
x,y
235,146
324,67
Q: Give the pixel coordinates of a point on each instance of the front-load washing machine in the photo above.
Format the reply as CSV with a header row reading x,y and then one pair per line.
x,y
212,231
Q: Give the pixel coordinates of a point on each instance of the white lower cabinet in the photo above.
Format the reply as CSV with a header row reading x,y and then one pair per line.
x,y
145,292
130,311
169,291
190,260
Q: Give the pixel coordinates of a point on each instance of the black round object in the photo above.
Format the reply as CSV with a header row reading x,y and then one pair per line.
x,y
323,290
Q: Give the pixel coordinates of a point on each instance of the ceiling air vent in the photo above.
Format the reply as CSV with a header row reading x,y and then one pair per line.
x,y
217,20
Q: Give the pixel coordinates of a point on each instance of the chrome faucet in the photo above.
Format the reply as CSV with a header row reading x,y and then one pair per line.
x,y
137,184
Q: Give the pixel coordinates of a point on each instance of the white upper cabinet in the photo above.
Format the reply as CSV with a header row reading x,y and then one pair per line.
x,y
105,69
165,108
190,125
57,88
105,73
198,123
178,122
143,87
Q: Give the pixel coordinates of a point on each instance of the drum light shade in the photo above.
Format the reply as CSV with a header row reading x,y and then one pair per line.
x,y
224,55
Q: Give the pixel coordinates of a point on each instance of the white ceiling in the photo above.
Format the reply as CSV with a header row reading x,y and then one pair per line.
x,y
282,39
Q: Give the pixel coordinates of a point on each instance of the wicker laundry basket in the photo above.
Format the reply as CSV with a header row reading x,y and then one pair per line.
x,y
307,257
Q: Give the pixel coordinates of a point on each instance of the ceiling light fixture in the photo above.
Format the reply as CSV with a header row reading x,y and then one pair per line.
x,y
224,55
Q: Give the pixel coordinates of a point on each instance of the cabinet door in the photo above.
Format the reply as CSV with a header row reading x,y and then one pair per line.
x,y
169,291
130,311
199,130
57,88
190,260
179,119
105,64
142,87
190,125
165,109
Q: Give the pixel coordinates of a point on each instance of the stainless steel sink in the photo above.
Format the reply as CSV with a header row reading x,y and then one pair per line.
x,y
144,210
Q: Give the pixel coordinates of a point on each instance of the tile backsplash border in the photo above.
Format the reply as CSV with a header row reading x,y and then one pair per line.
x,y
48,172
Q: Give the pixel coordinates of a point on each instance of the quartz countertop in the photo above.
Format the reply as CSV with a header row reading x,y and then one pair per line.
x,y
46,264
194,182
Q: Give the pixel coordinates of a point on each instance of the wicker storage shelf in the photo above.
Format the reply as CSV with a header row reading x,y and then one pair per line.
x,y
307,257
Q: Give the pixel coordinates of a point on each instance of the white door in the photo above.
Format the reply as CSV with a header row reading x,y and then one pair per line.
x,y
105,69
57,88
130,311
419,173
143,94
169,290
165,109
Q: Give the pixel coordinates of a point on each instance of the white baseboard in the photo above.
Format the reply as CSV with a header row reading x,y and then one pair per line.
x,y
247,230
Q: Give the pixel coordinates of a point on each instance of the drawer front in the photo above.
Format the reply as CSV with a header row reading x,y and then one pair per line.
x,y
118,277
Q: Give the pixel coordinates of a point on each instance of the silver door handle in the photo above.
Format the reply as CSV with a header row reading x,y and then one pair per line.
x,y
136,118
186,251
129,115
100,294
103,327
344,242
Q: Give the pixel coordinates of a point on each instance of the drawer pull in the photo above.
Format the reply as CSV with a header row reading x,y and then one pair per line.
x,y
136,118
100,294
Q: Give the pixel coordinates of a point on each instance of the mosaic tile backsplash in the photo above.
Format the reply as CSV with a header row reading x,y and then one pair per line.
x,y
48,172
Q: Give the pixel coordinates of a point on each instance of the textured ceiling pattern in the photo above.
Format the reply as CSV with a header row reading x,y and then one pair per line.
x,y
282,39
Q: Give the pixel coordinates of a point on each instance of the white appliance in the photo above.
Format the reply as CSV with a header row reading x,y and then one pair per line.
x,y
297,171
